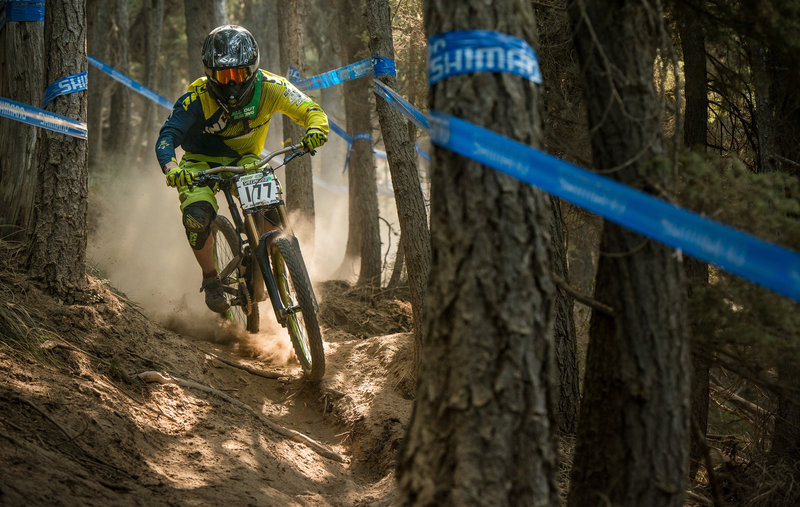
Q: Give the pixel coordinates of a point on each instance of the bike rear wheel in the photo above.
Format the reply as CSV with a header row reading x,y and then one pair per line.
x,y
244,310
297,295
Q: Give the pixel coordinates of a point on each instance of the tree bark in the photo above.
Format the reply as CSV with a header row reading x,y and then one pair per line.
x,y
633,433
363,240
98,82
410,202
695,132
120,106
202,16
564,332
482,428
21,42
57,252
299,177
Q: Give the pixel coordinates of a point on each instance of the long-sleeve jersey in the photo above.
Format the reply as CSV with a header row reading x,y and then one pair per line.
x,y
199,125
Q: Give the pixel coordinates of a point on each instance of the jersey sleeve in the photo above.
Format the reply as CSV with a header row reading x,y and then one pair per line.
x,y
302,109
185,113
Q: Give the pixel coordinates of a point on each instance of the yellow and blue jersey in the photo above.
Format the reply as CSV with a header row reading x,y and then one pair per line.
x,y
199,125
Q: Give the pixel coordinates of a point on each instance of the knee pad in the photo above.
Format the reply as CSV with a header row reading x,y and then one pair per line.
x,y
197,218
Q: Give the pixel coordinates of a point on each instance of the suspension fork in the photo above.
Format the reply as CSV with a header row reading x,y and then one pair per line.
x,y
262,256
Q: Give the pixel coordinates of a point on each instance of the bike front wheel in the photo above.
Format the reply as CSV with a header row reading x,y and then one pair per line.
x,y
244,310
297,297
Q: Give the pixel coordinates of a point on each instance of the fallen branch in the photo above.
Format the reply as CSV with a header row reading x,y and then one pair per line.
x,y
154,376
248,369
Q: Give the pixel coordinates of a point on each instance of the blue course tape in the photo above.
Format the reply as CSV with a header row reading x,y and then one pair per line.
x,y
379,65
766,264
41,118
130,83
24,10
401,104
468,51
65,85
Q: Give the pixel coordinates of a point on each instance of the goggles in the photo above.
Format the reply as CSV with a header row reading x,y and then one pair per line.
x,y
226,76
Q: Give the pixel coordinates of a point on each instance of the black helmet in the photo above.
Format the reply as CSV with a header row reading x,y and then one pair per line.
x,y
230,57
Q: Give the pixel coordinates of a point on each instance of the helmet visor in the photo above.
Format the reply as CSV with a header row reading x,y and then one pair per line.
x,y
231,76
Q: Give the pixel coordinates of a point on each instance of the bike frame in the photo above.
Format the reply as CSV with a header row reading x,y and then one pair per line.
x,y
245,223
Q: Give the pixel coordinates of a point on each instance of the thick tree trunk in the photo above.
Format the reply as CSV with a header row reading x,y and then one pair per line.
x,y
363,240
410,202
57,252
299,178
482,428
202,16
21,42
633,434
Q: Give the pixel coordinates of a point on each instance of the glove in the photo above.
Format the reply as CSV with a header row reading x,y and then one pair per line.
x,y
178,177
314,139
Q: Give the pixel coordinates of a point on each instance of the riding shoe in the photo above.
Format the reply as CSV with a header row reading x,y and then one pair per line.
x,y
215,295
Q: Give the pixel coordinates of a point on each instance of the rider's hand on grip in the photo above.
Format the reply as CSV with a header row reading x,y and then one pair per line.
x,y
314,139
178,177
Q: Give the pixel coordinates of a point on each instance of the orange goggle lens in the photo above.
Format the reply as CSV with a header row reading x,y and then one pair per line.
x,y
226,76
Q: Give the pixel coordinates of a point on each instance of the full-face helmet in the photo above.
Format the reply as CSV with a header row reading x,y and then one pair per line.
x,y
231,58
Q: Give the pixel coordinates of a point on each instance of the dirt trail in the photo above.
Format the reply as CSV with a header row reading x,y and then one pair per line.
x,y
78,428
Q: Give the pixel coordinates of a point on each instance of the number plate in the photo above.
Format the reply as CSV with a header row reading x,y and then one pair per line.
x,y
256,190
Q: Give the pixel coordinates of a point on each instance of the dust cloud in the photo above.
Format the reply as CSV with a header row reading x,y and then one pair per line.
x,y
137,243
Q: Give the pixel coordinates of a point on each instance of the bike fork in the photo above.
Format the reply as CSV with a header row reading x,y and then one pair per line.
x,y
262,257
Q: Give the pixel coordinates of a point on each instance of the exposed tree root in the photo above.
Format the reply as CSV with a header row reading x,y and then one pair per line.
x,y
154,376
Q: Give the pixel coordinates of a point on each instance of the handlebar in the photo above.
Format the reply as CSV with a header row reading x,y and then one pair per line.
x,y
296,149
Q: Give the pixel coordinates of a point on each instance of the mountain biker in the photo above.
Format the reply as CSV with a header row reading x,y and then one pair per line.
x,y
222,119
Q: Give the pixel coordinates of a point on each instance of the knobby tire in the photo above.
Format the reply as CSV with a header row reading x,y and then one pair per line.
x,y
295,289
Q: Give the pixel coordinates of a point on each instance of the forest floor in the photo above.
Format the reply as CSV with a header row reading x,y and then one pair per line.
x,y
79,427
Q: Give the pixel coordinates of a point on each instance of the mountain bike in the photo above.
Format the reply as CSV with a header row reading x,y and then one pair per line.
x,y
248,260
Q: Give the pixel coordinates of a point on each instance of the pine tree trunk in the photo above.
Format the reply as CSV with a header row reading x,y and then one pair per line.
x,y
202,16
120,106
98,82
695,132
299,178
633,433
364,232
564,332
58,248
21,42
410,202
482,428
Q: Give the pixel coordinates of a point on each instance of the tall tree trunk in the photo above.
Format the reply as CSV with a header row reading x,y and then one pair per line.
x,y
153,117
695,132
633,433
567,136
21,42
202,16
781,152
57,252
482,428
98,82
564,331
364,239
120,107
410,202
299,178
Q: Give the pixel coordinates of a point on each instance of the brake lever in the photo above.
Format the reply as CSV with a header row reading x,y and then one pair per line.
x,y
294,154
